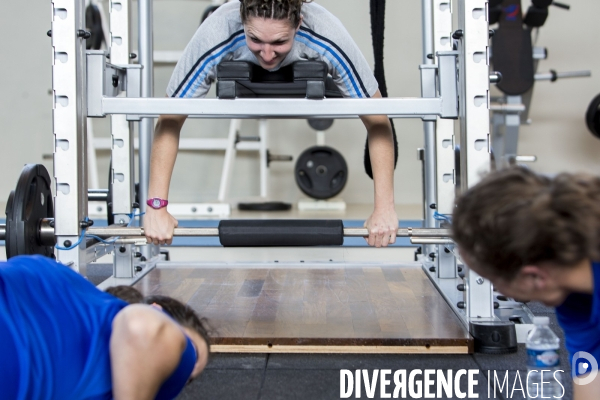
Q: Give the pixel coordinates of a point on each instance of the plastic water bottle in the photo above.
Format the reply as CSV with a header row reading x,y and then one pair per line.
x,y
543,361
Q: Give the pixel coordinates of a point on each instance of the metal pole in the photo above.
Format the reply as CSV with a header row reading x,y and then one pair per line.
x,y
145,29
46,234
429,163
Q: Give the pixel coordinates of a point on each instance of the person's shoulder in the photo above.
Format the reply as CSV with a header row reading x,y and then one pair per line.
x,y
318,19
230,11
36,264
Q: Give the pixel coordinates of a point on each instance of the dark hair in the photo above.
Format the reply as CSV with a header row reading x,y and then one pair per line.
x,y
183,314
516,217
273,9
126,293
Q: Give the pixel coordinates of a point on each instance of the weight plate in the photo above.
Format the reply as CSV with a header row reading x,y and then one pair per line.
x,y
321,172
27,205
592,117
320,124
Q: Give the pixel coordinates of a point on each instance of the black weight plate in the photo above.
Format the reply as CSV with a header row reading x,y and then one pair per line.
x,y
320,124
321,172
592,117
27,205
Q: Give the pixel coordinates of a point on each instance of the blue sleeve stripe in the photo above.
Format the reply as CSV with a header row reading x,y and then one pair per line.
x,y
342,70
232,38
205,68
328,45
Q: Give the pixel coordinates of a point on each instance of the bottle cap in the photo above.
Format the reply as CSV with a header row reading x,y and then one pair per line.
x,y
541,320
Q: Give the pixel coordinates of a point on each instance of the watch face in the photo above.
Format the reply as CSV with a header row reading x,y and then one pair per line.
x,y
156,203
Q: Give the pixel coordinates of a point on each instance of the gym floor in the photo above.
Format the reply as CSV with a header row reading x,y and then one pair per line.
x,y
317,376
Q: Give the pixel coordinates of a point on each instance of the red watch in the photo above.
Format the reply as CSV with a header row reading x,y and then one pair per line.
x,y
157,203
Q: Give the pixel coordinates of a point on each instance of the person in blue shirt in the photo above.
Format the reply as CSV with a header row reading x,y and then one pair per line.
x,y
538,238
62,338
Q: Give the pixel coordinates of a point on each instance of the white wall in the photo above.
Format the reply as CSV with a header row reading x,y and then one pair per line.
x,y
557,136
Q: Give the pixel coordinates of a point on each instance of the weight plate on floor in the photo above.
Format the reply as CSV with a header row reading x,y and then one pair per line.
x,y
27,205
321,172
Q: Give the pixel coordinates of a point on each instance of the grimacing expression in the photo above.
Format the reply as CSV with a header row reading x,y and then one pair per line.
x,y
270,40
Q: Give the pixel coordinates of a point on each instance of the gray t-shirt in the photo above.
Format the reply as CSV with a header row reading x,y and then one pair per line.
x,y
321,37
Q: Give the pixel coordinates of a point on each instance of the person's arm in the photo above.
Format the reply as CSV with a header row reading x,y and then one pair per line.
x,y
587,392
145,349
159,224
383,222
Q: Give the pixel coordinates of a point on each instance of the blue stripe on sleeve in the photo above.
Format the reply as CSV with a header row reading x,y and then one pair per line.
x,y
196,79
340,62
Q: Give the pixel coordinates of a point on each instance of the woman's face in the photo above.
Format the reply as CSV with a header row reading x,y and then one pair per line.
x,y
270,40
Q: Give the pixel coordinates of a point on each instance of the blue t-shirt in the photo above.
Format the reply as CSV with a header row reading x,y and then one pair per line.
x,y
579,316
55,330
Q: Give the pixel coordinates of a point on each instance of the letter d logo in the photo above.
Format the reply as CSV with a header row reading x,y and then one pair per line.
x,y
581,367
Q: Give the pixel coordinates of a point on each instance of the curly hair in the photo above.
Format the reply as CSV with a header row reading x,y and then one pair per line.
x,y
516,217
273,9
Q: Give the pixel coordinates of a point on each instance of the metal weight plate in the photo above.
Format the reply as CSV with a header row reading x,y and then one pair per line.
x,y
321,172
27,205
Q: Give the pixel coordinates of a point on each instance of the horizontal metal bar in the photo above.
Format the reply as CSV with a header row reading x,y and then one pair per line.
x,y
348,232
512,108
97,195
211,232
135,231
520,159
275,108
421,240
553,75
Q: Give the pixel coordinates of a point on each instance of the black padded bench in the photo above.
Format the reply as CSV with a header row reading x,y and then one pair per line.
x,y
303,79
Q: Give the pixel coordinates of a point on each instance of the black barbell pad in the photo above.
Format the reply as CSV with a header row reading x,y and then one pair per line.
x,y
277,232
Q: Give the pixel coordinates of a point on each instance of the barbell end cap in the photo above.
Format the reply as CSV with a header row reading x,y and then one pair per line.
x,y
495,77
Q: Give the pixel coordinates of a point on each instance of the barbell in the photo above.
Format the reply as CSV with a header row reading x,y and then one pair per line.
x,y
30,227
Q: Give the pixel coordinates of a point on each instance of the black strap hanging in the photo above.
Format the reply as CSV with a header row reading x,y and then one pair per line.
x,y
377,34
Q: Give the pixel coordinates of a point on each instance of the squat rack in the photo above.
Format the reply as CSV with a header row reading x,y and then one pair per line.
x,y
86,84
